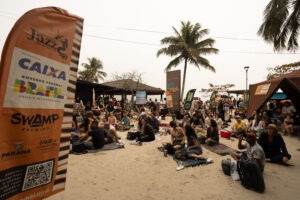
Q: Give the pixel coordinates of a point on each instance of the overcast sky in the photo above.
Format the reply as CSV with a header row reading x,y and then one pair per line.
x,y
125,35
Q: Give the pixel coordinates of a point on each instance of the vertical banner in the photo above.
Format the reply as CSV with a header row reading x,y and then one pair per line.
x,y
141,97
173,87
169,99
189,99
38,73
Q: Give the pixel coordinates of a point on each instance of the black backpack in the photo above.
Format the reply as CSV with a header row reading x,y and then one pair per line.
x,y
226,166
250,174
131,135
78,148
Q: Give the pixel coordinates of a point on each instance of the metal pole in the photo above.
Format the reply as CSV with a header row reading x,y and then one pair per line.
x,y
246,96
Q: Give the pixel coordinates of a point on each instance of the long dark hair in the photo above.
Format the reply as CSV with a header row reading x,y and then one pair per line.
x,y
190,132
214,124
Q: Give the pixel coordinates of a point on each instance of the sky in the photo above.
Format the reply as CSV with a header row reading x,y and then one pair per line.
x,y
125,35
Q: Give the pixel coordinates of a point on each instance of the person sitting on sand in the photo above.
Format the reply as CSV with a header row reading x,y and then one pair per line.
x,y
95,138
253,150
274,146
212,133
177,139
112,120
194,149
124,125
110,134
288,124
239,127
147,131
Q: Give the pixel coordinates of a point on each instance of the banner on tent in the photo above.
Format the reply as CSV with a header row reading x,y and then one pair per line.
x,y
262,89
38,74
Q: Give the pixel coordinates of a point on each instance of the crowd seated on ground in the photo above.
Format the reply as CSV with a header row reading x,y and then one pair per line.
x,y
268,125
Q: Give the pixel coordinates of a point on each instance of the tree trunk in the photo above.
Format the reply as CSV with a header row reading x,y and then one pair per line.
x,y
183,82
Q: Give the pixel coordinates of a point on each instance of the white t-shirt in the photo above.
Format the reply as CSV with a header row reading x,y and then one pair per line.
x,y
256,152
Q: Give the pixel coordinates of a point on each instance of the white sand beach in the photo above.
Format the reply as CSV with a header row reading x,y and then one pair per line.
x,y
142,172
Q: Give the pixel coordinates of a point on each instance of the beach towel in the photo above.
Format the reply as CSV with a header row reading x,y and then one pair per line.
x,y
220,149
187,163
107,147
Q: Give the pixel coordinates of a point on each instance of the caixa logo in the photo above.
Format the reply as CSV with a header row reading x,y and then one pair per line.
x,y
58,43
33,120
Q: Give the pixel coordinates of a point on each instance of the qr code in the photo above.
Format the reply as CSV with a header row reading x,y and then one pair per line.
x,y
38,174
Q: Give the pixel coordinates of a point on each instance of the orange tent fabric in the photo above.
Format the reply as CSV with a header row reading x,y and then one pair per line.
x,y
260,93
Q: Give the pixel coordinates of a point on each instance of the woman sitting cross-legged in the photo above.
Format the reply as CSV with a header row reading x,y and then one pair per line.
x,y
147,132
177,139
194,149
212,133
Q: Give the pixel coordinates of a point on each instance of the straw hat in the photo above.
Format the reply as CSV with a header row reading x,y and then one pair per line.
x,y
273,126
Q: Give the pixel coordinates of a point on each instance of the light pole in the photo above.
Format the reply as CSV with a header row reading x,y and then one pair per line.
x,y
245,97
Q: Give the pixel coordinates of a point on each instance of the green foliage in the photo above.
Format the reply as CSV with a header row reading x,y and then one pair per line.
x,y
277,71
92,71
186,46
281,24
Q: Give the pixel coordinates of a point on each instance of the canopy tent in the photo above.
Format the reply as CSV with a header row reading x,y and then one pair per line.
x,y
260,93
125,85
84,89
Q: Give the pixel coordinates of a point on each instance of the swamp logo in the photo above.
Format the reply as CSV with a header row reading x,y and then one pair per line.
x,y
33,121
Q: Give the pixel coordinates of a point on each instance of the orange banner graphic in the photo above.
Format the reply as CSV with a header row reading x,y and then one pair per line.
x,y
38,73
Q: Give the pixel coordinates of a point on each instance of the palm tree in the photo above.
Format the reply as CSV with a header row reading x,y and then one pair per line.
x,y
188,47
281,24
93,71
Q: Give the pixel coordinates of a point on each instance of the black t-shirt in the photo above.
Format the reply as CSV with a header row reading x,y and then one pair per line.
x,y
97,138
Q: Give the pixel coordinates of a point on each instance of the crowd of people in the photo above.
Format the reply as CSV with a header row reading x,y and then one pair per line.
x,y
96,125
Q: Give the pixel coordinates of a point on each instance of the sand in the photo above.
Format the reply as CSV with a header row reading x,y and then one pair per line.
x,y
142,172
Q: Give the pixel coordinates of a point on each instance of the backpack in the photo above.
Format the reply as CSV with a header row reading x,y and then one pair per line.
x,y
250,174
226,166
79,148
131,135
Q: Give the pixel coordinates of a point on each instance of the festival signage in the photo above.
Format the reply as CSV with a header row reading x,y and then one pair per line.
x,y
38,72
173,87
141,97
262,89
169,99
189,99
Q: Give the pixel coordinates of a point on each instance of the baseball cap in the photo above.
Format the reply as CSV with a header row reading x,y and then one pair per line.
x,y
251,134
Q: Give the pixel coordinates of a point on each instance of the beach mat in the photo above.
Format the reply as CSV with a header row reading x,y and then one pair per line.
x,y
106,147
187,163
220,149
